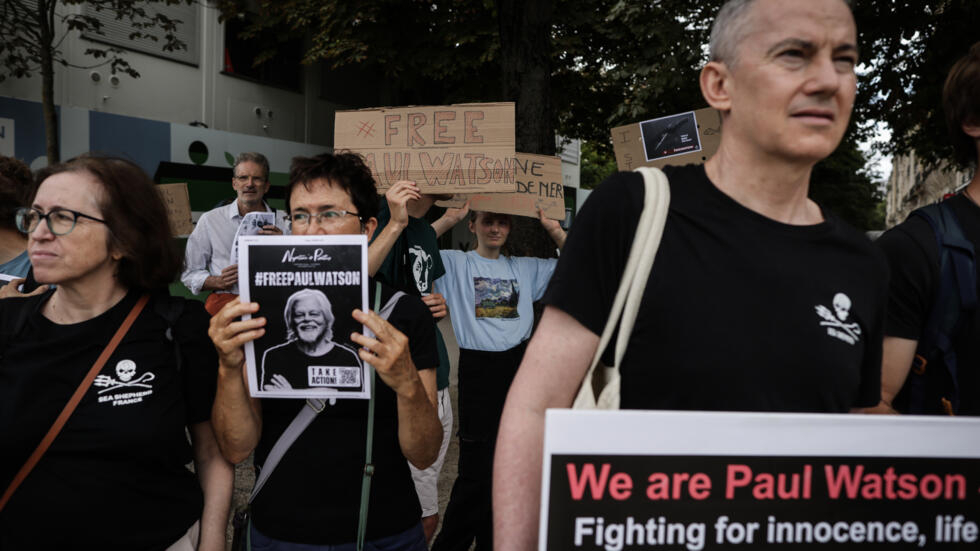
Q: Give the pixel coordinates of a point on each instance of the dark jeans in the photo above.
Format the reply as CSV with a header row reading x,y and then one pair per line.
x,y
412,539
484,379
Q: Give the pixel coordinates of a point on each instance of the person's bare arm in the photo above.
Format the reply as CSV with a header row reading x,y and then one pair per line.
x,y
437,305
553,228
896,361
419,429
450,218
397,197
217,478
226,280
236,417
554,365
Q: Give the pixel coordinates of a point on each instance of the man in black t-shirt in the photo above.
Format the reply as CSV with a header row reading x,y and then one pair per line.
x,y
914,257
314,495
758,300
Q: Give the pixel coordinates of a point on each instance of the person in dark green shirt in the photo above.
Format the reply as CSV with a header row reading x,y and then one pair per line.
x,y
404,253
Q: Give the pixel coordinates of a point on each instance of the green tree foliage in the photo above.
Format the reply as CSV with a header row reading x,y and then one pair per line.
x,y
615,62
32,34
618,62
909,47
842,184
421,52
597,164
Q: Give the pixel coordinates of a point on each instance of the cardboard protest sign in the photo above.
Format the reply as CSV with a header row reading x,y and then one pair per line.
x,y
684,138
306,287
539,184
178,204
464,148
696,480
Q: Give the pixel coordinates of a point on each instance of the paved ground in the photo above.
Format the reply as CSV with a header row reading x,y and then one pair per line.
x,y
244,477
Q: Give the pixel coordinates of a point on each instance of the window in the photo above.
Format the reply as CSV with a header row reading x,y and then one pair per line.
x,y
116,32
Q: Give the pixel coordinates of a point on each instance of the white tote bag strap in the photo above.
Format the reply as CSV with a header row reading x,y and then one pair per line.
x,y
646,241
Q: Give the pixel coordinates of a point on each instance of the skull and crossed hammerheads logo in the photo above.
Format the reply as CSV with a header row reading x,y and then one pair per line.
x,y
125,370
835,319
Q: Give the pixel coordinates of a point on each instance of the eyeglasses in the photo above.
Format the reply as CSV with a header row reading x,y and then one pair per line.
x,y
244,179
60,221
324,218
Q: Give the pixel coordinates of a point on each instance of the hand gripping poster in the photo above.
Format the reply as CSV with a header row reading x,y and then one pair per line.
x,y
306,288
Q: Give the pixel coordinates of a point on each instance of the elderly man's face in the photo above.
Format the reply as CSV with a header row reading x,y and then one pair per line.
x,y
309,320
250,183
793,85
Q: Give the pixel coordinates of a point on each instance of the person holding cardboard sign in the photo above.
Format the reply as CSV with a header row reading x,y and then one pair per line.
x,y
404,253
491,298
759,299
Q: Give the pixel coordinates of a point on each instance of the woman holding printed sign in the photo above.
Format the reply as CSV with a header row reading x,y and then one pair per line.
x,y
491,298
102,377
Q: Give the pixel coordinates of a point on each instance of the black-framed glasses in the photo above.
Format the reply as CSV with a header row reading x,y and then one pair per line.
x,y
324,217
60,220
259,180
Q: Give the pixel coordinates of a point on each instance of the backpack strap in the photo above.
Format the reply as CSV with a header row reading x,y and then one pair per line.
x,y
956,293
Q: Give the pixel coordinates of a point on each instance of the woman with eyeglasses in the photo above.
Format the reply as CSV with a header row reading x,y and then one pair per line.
x,y
115,476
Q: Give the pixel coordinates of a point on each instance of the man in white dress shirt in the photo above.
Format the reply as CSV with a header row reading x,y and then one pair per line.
x,y
207,258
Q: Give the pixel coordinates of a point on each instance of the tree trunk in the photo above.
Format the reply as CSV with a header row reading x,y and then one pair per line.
x,y
525,59
47,105
47,86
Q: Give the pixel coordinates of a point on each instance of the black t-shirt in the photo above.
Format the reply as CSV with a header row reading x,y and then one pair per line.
x,y
740,312
314,495
116,475
290,362
913,256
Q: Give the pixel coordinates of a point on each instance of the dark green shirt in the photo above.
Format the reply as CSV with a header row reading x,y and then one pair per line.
x,y
412,266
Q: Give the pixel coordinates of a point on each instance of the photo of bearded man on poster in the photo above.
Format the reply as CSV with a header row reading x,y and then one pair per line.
x,y
309,341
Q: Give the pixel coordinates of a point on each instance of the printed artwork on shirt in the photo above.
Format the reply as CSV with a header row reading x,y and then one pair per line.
x,y
421,264
127,387
496,298
836,320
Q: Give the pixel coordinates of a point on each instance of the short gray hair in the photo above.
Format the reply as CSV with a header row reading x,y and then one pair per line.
x,y
251,156
321,300
729,29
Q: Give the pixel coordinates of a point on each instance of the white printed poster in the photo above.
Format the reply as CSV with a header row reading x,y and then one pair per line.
x,y
306,288
251,224
670,136
699,480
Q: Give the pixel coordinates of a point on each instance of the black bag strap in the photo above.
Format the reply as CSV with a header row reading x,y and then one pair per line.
x,y
956,293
